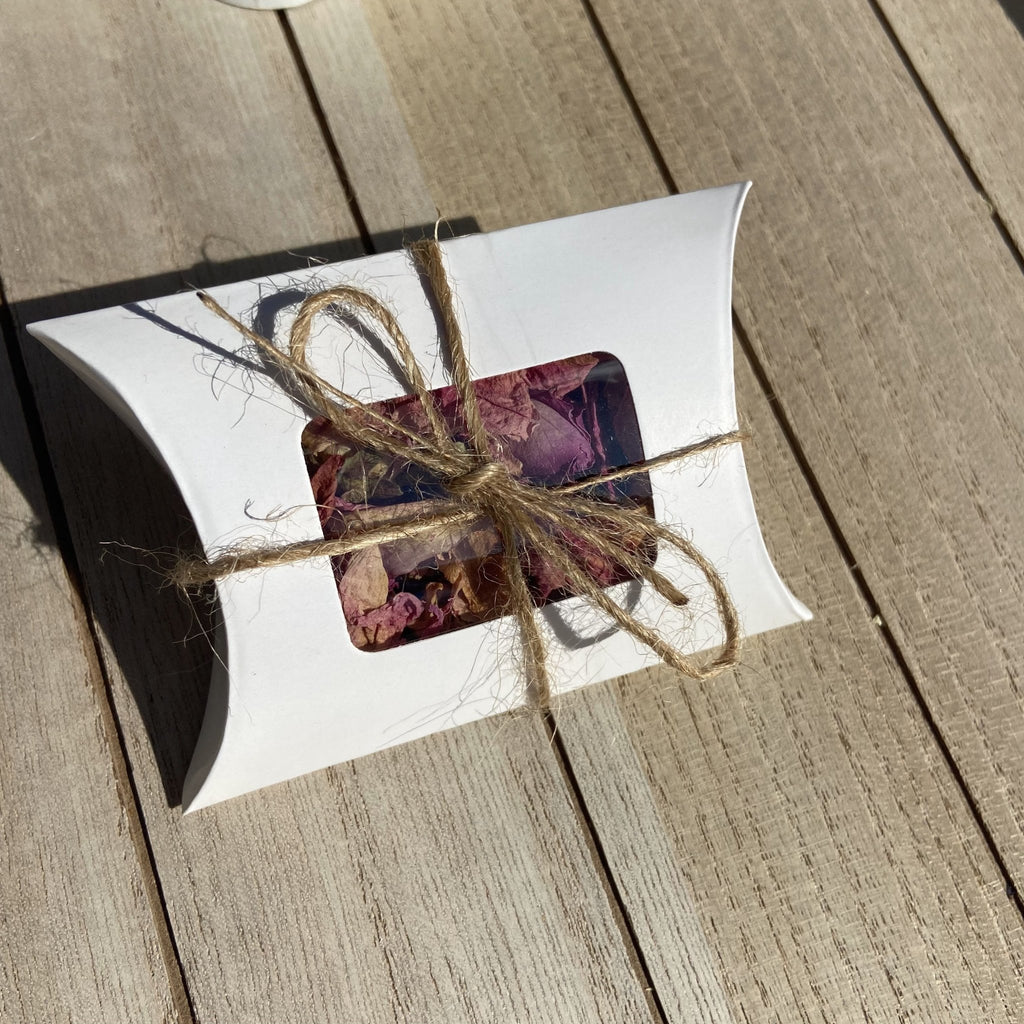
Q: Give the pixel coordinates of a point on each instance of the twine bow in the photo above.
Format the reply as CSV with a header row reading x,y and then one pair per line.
x,y
477,487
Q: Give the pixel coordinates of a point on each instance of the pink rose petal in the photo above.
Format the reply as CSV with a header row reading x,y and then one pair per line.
x,y
557,449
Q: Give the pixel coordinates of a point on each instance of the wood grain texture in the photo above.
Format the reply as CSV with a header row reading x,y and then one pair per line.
x,y
971,60
887,310
417,885
445,881
818,862
82,935
149,137
380,162
492,126
829,855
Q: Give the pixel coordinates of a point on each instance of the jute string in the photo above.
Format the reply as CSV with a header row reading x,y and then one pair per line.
x,y
541,520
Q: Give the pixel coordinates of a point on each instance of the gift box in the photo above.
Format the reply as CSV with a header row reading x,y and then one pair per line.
x,y
596,341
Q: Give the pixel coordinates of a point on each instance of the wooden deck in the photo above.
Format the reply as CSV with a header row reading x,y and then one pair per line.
x,y
834,832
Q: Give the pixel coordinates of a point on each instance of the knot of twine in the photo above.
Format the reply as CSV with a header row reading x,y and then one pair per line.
x,y
527,517
478,481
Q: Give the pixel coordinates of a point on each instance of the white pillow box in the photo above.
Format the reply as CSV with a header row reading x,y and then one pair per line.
x,y
648,283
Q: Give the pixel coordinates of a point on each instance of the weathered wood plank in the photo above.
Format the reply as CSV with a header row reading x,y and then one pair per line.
x,y
490,136
971,60
819,862
448,880
887,311
82,933
109,109
829,856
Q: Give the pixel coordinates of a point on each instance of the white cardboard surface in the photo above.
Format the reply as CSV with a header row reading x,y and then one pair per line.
x,y
649,283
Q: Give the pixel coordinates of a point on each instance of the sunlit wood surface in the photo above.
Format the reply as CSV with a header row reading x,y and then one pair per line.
x,y
833,832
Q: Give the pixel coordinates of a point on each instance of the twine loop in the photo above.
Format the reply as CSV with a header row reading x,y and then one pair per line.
x,y
570,529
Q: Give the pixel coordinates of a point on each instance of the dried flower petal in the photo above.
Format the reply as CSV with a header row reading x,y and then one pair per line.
x,y
561,377
325,482
366,583
549,424
557,449
377,629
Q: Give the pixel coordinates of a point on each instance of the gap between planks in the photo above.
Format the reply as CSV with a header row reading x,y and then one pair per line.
x,y
947,132
616,901
331,145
